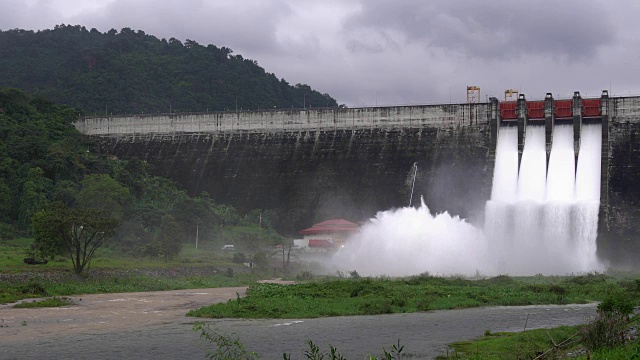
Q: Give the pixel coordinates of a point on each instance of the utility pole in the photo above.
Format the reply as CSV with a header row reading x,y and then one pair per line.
x,y
197,236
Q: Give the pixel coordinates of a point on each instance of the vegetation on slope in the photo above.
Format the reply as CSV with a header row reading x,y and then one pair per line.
x,y
133,72
47,170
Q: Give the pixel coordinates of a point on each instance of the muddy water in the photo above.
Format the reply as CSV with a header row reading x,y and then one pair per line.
x,y
152,325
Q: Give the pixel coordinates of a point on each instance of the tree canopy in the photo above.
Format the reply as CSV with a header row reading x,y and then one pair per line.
x,y
133,72
55,187
78,231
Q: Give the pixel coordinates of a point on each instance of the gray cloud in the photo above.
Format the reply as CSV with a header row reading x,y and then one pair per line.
x,y
495,28
242,24
365,52
27,14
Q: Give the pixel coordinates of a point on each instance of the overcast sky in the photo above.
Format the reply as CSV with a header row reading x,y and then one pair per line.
x,y
367,52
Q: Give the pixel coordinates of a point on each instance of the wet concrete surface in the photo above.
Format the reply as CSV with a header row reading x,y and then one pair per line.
x,y
153,325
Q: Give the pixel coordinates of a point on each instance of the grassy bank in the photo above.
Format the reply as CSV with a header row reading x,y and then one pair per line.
x,y
50,302
419,293
113,272
66,284
108,257
565,342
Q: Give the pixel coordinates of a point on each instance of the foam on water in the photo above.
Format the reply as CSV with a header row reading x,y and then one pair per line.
x,y
537,221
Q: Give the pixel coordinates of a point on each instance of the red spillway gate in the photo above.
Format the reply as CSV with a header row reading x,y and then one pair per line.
x,y
535,109
564,108
591,107
508,110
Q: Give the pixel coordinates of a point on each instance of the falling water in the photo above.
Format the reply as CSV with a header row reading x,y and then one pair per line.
x,y
540,219
559,197
553,229
587,196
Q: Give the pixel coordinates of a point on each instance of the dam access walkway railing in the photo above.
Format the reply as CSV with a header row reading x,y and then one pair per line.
x,y
619,109
287,120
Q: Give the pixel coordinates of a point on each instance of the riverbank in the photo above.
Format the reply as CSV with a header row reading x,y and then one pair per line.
x,y
26,285
152,325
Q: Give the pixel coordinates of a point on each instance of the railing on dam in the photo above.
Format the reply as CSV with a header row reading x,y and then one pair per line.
x,y
414,116
445,116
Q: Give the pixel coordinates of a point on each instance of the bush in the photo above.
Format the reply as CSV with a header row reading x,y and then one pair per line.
x,y
618,303
239,258
376,307
590,278
558,290
33,288
260,260
305,275
606,331
226,346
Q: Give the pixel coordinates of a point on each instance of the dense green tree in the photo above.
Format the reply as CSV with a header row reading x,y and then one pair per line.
x,y
162,193
100,191
33,197
65,172
133,72
78,231
6,199
169,237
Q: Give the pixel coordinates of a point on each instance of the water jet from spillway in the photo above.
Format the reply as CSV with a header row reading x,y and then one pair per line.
x,y
539,219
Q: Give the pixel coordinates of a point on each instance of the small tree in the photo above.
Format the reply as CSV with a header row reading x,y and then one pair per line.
x,y
169,237
80,232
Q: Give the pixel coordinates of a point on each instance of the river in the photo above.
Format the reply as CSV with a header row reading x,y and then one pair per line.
x,y
152,325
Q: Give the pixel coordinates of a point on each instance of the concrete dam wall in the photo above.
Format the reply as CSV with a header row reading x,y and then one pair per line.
x,y
316,164
310,165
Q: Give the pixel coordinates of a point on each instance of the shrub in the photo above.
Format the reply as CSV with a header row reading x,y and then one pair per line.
x,y
239,258
260,260
590,278
606,331
305,275
557,289
227,346
618,303
33,287
501,279
376,307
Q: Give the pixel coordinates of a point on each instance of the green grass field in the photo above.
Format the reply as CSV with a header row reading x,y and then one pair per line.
x,y
563,342
112,272
418,293
12,253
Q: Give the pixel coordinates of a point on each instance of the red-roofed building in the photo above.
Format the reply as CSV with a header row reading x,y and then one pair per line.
x,y
327,234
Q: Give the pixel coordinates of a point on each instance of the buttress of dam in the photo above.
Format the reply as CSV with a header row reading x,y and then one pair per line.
x,y
552,114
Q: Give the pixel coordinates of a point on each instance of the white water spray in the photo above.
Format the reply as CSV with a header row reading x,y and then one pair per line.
x,y
537,221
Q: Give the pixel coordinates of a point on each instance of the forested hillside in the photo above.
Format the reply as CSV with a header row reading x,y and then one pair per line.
x,y
48,169
132,72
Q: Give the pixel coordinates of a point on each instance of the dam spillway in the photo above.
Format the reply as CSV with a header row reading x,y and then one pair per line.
x,y
315,164
540,221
